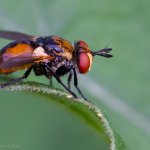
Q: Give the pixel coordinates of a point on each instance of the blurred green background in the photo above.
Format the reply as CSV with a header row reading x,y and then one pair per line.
x,y
121,85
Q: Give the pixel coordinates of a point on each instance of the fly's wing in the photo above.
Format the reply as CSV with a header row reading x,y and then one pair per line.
x,y
12,35
20,56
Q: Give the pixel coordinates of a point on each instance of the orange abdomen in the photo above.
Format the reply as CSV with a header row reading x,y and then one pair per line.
x,y
8,58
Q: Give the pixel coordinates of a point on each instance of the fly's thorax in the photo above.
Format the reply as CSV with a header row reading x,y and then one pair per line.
x,y
56,46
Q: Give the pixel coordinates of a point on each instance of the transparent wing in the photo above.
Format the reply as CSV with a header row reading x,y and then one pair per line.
x,y
12,35
19,55
9,61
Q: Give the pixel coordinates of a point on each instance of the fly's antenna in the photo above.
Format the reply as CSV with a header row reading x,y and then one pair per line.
x,y
103,52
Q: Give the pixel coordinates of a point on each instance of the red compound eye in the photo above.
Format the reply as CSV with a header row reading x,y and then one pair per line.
x,y
84,63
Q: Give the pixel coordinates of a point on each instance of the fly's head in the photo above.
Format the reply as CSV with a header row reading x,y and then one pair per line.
x,y
84,56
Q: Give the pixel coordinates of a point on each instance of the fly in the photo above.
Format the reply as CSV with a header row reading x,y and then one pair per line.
x,y
49,56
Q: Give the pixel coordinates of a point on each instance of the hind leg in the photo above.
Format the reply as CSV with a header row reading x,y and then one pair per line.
x,y
26,74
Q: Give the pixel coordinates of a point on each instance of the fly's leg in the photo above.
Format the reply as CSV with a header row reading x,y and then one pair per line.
x,y
51,81
26,74
59,81
49,76
69,79
76,85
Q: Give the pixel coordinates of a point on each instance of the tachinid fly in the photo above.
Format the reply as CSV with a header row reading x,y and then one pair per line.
x,y
49,56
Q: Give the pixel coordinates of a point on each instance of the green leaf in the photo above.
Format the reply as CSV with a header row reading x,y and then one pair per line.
x,y
120,86
92,116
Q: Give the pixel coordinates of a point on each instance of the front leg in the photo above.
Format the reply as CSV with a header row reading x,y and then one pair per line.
x,y
76,85
26,74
